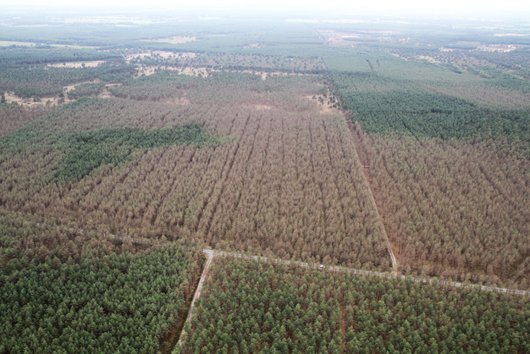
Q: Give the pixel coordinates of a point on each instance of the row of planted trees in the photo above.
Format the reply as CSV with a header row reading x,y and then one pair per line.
x,y
435,109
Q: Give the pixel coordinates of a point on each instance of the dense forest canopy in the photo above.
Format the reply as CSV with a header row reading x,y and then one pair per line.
x,y
129,145
252,307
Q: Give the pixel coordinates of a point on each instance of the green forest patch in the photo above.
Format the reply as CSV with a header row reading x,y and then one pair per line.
x,y
86,151
87,89
253,307
118,303
383,105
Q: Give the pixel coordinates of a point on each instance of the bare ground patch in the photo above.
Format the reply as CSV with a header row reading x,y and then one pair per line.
x,y
326,103
51,101
173,40
497,48
178,101
188,70
428,59
105,93
159,54
31,102
77,64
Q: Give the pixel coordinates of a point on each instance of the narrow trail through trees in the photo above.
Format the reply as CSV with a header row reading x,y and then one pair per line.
x,y
359,162
211,254
387,275
209,257
371,197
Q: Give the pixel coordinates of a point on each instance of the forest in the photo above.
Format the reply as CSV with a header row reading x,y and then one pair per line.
x,y
230,61
385,105
14,117
67,290
282,155
28,72
86,151
452,208
376,167
255,307
449,173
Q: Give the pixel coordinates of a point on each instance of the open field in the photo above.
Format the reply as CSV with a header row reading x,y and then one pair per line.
x,y
173,40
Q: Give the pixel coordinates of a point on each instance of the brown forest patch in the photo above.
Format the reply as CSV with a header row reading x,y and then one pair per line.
x,y
454,209
285,181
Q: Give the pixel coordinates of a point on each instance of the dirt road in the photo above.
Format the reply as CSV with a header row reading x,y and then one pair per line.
x,y
210,254
386,275
209,257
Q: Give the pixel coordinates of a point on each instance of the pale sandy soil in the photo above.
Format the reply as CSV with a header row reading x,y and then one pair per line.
x,y
189,71
324,104
399,56
22,44
262,107
334,38
51,101
499,48
159,54
266,74
511,35
144,70
77,64
428,58
173,40
105,93
31,102
254,45
33,44
178,101
71,87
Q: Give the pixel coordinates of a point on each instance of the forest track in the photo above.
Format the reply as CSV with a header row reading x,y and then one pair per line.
x,y
209,257
347,115
366,176
386,275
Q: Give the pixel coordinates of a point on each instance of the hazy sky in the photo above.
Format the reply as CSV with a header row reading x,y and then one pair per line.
x,y
336,8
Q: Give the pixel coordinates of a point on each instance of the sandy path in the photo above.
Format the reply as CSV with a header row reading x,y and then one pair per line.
x,y
372,199
386,275
209,257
